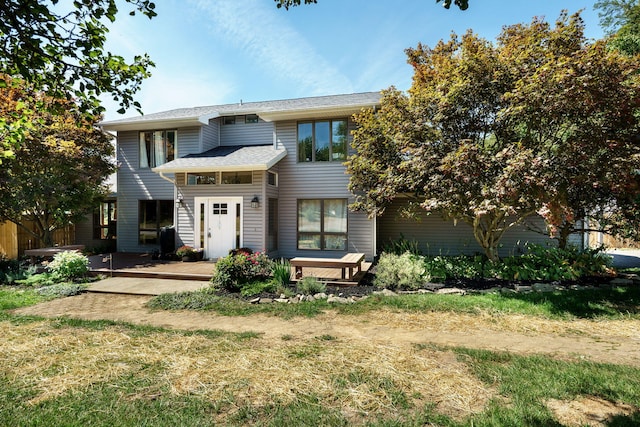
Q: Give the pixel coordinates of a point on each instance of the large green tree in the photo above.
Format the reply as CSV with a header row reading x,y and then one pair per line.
x,y
57,174
59,49
541,121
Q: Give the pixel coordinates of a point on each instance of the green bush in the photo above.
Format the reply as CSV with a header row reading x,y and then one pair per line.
x,y
69,265
457,267
282,273
310,285
38,280
232,271
551,263
62,290
11,271
401,246
257,287
406,271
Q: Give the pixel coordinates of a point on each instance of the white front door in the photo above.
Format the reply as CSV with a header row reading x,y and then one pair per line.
x,y
222,225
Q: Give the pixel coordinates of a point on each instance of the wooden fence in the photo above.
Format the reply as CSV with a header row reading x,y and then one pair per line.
x,y
14,240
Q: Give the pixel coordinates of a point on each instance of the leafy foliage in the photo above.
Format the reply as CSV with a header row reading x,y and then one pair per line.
x,y
11,271
405,272
66,289
60,50
233,271
311,285
282,272
541,122
462,4
56,177
69,265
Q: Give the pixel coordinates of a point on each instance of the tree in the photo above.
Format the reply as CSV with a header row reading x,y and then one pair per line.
x,y
59,50
575,104
490,134
462,4
56,176
621,20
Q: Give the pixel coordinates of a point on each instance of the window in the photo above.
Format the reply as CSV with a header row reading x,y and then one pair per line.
x,y
152,216
272,178
251,118
157,147
203,178
229,120
104,221
322,224
237,177
322,141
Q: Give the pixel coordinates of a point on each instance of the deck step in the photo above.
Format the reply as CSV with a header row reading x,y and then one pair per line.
x,y
151,275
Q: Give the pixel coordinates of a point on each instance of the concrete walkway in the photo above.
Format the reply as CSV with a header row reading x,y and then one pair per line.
x,y
145,286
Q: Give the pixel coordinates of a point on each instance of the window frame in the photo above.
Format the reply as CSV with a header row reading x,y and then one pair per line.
x,y
112,217
322,233
314,140
158,219
251,119
150,160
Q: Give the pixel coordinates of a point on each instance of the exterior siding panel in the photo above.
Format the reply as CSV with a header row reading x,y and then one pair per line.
x,y
320,180
241,133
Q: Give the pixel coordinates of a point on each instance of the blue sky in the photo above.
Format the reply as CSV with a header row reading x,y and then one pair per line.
x,y
211,52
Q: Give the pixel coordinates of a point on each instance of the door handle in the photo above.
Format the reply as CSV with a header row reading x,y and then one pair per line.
x,y
209,234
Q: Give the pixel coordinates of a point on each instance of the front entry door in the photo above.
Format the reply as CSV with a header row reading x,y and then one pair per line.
x,y
222,226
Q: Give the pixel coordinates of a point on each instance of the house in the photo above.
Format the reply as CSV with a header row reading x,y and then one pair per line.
x,y
263,175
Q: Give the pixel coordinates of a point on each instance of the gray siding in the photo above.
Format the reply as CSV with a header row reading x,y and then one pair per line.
x,y
136,184
437,236
210,135
242,133
253,229
321,180
189,141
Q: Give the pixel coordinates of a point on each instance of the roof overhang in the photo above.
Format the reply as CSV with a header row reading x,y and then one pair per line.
x,y
327,112
242,159
156,123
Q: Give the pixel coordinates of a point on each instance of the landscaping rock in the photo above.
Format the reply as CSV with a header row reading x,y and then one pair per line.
x,y
523,288
620,281
386,293
255,301
310,298
544,287
320,295
281,300
425,291
433,286
266,301
451,291
338,300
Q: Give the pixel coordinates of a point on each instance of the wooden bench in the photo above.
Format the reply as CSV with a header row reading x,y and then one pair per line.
x,y
347,262
50,252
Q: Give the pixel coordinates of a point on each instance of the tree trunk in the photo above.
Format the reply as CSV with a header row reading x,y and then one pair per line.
x,y
563,235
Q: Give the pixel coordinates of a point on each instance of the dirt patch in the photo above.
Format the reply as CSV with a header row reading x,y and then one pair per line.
x,y
600,341
587,411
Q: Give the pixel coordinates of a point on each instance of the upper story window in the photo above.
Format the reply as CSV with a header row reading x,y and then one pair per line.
x,y
202,178
322,141
157,147
251,118
229,120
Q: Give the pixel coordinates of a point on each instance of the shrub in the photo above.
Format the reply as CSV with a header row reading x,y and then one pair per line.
x,y
257,287
310,285
185,251
62,290
69,265
406,271
11,271
232,271
551,263
457,267
401,246
282,272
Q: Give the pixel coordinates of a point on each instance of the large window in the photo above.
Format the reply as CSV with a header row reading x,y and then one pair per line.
x,y
104,221
322,224
322,141
157,147
152,216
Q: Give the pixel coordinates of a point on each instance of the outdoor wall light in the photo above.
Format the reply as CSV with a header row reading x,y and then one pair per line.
x,y
180,201
255,202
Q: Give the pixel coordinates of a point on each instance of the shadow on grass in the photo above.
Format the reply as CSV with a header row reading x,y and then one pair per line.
x,y
587,304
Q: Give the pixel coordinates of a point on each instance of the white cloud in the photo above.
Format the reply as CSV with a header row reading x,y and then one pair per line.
x,y
259,29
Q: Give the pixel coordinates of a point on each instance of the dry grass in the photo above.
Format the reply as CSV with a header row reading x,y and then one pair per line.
x,y
359,377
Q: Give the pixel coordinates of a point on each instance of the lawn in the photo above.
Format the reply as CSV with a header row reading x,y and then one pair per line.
x,y
65,372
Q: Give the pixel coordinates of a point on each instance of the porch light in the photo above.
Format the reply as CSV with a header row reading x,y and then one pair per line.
x,y
255,202
179,201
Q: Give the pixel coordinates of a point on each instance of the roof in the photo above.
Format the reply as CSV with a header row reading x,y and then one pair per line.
x,y
288,109
221,159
